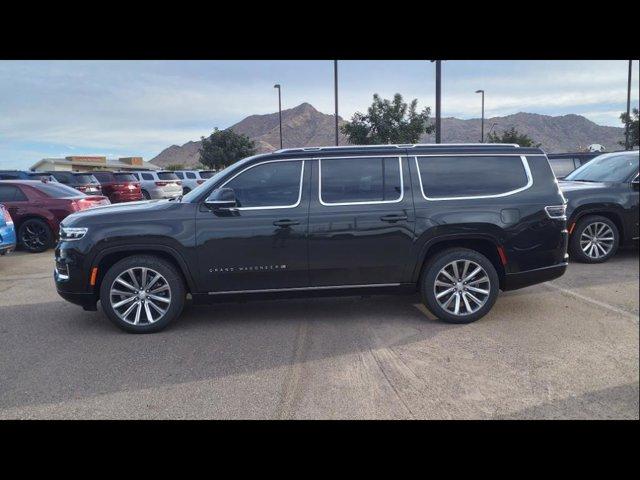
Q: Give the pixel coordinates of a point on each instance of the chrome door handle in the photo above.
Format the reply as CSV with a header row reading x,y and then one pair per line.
x,y
285,223
393,218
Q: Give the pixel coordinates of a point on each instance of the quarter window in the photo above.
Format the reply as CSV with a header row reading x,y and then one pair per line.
x,y
360,180
477,176
274,184
191,175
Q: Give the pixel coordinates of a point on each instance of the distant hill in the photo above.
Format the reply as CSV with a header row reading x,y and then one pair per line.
x,y
304,126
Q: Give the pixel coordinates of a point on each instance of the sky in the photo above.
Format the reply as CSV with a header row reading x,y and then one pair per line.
x,y
138,108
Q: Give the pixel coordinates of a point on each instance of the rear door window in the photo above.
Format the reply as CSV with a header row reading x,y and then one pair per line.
x,y
11,193
146,176
360,180
451,177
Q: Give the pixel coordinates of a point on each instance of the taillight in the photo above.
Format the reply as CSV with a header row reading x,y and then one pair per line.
x,y
178,182
161,184
200,182
6,215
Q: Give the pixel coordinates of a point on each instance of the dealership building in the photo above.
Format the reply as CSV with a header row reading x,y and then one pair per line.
x,y
85,163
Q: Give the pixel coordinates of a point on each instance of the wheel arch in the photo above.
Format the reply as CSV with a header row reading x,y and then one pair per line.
x,y
483,244
602,211
110,256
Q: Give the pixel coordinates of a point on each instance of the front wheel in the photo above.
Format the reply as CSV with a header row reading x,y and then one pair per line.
x,y
185,190
142,294
594,240
145,195
459,285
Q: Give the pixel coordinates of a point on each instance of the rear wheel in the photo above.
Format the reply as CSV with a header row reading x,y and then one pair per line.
x,y
142,294
459,285
146,195
185,190
35,235
594,239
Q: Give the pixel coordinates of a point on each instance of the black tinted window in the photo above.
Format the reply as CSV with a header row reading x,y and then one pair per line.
x,y
445,177
57,190
275,184
103,177
192,175
63,177
125,177
167,176
146,176
9,176
207,174
349,180
180,175
84,178
10,193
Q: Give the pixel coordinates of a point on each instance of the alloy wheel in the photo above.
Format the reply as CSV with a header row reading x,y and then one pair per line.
x,y
596,240
34,236
140,296
462,287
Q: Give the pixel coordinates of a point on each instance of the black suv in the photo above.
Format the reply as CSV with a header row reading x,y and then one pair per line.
x,y
603,206
82,181
455,222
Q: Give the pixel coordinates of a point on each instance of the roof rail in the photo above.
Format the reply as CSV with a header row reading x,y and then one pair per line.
x,y
408,145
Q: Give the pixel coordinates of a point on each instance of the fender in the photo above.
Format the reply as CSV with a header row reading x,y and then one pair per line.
x,y
587,209
175,254
447,238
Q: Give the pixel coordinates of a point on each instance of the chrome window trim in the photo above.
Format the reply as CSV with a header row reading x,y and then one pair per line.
x,y
294,289
377,202
275,207
523,158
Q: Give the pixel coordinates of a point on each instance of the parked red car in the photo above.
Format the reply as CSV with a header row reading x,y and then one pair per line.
x,y
119,186
38,207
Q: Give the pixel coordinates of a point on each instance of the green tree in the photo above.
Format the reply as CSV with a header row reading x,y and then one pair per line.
x,y
224,147
512,136
388,121
634,128
175,166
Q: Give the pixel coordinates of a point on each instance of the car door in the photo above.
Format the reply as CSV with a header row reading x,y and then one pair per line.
x,y
633,211
361,221
261,244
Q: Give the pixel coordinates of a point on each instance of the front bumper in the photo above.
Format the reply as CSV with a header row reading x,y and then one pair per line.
x,y
86,300
7,248
514,281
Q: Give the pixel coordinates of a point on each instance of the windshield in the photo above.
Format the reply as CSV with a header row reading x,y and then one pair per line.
x,y
57,190
607,168
124,177
193,194
84,178
167,176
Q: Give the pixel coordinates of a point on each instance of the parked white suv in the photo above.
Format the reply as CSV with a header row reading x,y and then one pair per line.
x,y
192,178
163,184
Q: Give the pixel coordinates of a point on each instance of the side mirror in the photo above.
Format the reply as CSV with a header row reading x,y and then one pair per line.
x,y
221,198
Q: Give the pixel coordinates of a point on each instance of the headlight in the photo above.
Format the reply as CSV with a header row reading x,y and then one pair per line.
x,y
557,212
68,233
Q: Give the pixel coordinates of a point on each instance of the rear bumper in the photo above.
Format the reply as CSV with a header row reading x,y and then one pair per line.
x,y
514,281
125,197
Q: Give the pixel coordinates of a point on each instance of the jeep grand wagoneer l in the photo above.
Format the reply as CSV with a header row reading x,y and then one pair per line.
x,y
457,223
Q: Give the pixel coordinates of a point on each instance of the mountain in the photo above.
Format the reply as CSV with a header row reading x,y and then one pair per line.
x,y
304,126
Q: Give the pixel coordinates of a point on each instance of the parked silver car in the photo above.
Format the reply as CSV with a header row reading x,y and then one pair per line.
x,y
192,178
159,184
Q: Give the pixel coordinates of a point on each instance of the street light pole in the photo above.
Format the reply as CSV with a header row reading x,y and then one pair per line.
x,y
628,122
438,91
482,121
277,85
335,88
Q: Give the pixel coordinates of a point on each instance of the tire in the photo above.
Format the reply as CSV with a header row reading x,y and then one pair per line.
x,y
185,190
122,316
604,248
35,235
483,301
146,195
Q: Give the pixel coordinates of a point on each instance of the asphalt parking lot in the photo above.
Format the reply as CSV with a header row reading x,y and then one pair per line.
x,y
565,349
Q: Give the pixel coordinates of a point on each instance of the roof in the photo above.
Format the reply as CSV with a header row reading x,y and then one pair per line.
x,y
396,145
110,163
